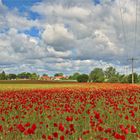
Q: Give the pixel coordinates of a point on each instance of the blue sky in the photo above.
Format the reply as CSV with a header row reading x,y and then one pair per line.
x,y
23,7
46,36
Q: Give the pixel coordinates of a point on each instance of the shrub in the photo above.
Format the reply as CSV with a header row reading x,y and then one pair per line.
x,y
83,78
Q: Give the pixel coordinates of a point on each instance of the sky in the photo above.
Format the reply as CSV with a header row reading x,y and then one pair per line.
x,y
51,36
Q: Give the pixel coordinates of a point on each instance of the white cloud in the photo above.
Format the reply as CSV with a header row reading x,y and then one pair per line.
x,y
13,19
61,11
75,35
58,54
58,36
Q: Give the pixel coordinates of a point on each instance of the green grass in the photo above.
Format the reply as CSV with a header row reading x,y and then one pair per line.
x,y
29,84
33,86
36,84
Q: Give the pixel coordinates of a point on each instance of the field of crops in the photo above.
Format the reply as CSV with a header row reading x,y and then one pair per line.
x,y
81,112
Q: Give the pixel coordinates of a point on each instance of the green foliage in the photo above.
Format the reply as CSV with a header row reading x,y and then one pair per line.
x,y
113,79
123,79
74,76
45,74
136,78
3,76
34,76
27,75
12,76
110,72
97,75
83,78
111,75
58,74
23,75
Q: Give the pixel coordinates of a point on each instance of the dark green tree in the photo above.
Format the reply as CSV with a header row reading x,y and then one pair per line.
x,y
24,75
45,74
83,78
3,76
74,76
113,79
58,74
136,78
97,75
110,72
12,76
34,76
28,75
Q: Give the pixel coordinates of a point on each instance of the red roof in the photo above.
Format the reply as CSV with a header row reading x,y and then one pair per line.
x,y
45,77
59,77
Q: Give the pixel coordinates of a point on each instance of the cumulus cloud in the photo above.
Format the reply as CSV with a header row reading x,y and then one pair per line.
x,y
62,11
75,35
58,36
13,19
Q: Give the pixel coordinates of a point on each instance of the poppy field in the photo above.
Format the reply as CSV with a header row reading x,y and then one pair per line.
x,y
82,112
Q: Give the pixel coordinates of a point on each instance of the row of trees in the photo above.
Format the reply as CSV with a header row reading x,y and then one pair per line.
x,y
96,75
109,75
23,75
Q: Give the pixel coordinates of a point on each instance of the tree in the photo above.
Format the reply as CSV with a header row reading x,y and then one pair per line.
x,y
24,75
110,72
97,75
58,74
112,75
74,76
28,75
124,79
136,79
83,78
3,76
113,79
12,76
45,74
34,76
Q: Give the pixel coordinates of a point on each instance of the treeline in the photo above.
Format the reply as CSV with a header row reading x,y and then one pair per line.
x,y
96,75
110,75
23,75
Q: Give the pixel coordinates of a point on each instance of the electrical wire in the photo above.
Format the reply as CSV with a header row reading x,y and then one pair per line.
x,y
123,27
136,20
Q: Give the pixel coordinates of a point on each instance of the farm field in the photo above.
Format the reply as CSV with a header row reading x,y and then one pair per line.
x,y
29,84
69,111
33,84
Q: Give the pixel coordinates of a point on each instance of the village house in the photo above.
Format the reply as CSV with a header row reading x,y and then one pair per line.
x,y
47,78
59,77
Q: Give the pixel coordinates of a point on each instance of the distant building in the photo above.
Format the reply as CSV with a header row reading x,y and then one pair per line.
x,y
47,78
59,77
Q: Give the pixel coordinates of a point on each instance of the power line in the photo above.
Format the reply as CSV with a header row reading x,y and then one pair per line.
x,y
125,39
122,22
135,44
123,27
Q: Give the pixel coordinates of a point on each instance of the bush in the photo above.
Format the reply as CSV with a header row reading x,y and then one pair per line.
x,y
113,79
83,78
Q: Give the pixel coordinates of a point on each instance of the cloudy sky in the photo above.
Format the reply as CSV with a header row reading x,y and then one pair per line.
x,y
49,36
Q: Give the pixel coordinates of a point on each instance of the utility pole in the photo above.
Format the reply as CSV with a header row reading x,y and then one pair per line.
x,y
132,60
